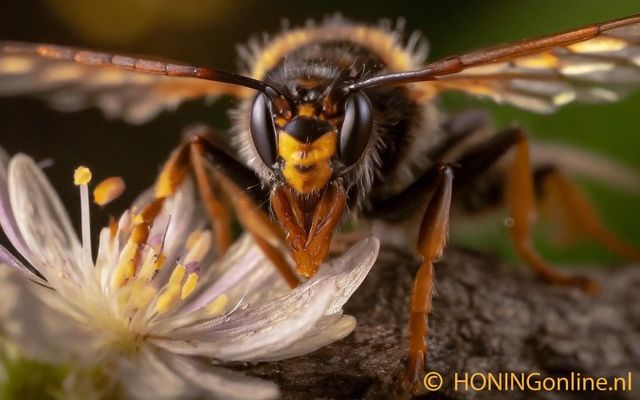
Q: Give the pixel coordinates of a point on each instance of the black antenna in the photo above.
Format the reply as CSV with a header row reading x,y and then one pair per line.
x,y
430,72
132,63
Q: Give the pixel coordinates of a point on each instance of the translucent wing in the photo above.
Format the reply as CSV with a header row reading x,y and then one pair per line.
x,y
597,63
130,88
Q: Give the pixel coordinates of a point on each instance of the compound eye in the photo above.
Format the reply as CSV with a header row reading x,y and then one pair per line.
x,y
356,128
263,130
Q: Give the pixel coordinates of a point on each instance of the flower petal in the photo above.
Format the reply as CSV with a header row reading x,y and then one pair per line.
x,y
350,270
221,383
178,218
7,220
147,376
6,258
240,275
326,331
43,221
254,331
257,332
42,332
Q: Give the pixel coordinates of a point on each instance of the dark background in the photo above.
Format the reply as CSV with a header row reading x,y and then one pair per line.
x,y
206,32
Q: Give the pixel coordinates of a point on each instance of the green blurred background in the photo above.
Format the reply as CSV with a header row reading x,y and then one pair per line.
x,y
207,31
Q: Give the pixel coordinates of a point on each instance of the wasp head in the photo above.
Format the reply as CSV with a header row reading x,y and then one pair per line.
x,y
310,143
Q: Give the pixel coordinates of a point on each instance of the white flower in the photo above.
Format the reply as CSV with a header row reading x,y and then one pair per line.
x,y
158,315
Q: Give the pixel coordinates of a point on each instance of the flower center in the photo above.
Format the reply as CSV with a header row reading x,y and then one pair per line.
x,y
135,277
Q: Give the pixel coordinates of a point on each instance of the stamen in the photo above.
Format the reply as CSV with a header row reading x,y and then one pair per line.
x,y
108,190
192,239
81,178
173,290
189,285
139,234
177,275
152,264
218,305
168,298
126,267
192,267
199,249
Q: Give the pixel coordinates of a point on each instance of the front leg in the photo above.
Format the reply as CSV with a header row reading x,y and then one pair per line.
x,y
431,242
218,176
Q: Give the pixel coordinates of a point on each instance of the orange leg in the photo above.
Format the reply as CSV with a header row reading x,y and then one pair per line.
x,y
200,155
520,200
431,242
267,235
213,202
560,192
519,197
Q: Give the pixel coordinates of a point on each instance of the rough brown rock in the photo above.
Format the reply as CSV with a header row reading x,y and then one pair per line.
x,y
488,316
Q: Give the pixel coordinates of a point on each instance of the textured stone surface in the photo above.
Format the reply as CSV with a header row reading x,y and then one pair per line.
x,y
487,316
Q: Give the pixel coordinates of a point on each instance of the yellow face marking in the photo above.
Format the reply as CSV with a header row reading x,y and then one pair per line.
x,y
15,65
599,44
306,110
280,121
306,165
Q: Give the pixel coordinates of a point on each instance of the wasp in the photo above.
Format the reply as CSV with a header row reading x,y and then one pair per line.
x,y
339,121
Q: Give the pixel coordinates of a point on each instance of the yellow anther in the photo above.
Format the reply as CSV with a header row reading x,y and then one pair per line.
x,y
108,190
152,264
189,285
218,305
177,275
168,298
81,176
126,267
139,234
137,219
159,262
199,249
148,267
193,239
124,271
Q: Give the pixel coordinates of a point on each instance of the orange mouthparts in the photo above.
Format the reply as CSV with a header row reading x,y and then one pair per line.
x,y
309,222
